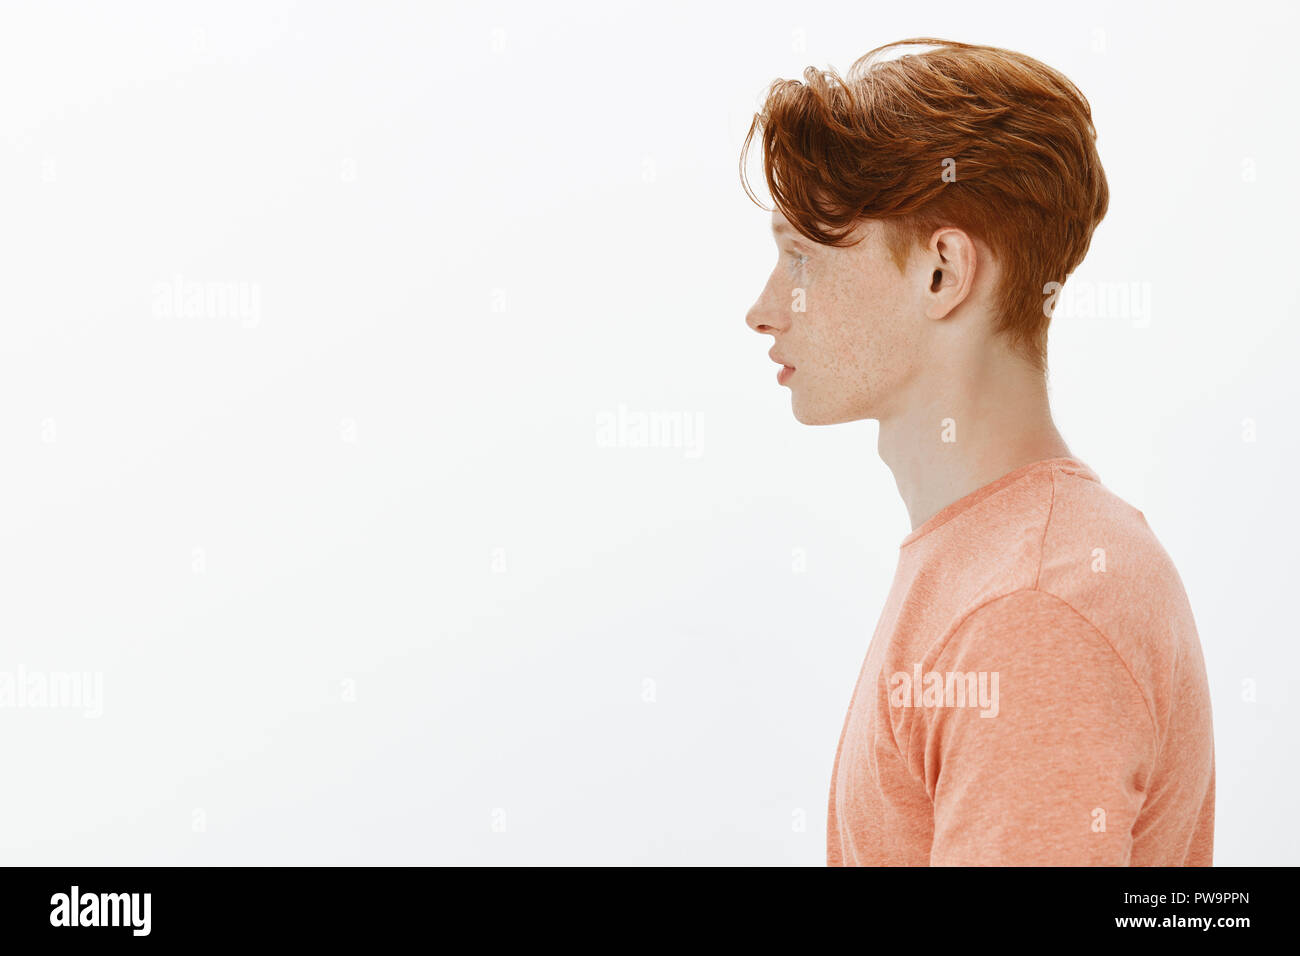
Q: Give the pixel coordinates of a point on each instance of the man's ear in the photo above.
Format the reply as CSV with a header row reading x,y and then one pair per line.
x,y
952,259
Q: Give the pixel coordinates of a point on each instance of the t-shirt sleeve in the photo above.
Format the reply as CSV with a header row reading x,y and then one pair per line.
x,y
1050,767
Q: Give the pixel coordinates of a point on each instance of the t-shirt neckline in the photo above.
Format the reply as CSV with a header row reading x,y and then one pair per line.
x,y
944,515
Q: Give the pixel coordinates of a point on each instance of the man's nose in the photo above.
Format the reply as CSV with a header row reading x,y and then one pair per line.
x,y
766,316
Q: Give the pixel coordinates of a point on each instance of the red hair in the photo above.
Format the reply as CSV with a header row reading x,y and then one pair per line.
x,y
1028,181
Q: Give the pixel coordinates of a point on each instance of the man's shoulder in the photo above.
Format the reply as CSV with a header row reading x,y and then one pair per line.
x,y
1100,556
1058,530
1068,552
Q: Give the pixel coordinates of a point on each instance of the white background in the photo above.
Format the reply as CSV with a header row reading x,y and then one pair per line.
x,y
361,581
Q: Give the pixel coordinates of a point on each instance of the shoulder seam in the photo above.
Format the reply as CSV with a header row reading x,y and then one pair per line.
x,y
939,648
1042,541
1042,551
1155,727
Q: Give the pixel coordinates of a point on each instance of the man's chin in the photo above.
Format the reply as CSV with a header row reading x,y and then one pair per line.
x,y
805,415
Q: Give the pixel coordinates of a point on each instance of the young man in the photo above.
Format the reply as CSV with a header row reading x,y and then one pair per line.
x,y
1035,691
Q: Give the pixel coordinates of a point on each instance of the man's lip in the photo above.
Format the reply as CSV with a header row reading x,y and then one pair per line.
x,y
778,360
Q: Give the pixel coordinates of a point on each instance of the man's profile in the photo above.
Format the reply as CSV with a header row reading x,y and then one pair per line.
x,y
1035,691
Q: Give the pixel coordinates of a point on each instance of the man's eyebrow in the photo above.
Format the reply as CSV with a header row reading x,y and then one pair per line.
x,y
784,228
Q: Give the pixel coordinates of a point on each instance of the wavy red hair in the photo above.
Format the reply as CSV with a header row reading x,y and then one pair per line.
x,y
872,145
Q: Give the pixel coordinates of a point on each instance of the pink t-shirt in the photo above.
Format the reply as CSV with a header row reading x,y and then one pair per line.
x,y
1034,693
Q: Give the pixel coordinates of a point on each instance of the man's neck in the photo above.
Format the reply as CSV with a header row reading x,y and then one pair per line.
x,y
965,428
